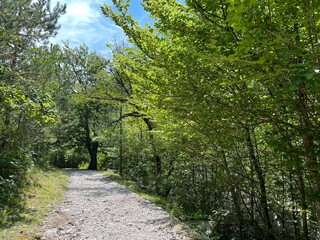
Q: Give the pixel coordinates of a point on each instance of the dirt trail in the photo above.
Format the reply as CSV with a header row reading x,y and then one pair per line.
x,y
96,207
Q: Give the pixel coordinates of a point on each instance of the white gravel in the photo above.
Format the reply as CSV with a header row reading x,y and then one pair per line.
x,y
96,207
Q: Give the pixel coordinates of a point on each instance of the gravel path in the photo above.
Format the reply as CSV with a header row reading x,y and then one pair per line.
x,y
96,207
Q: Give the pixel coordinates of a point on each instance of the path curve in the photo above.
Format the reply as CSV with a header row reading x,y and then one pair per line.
x,y
96,207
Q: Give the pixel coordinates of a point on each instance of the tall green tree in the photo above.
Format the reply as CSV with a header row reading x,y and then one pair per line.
x,y
82,115
244,75
24,104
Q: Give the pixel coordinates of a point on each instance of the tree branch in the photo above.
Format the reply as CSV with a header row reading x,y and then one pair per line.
x,y
132,114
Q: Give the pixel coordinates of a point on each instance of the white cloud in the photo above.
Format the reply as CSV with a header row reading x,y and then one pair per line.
x,y
85,23
80,13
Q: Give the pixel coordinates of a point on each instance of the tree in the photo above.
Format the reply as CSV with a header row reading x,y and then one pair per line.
x,y
79,86
18,37
124,95
24,105
243,75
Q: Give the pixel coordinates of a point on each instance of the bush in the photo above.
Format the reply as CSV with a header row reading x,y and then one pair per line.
x,y
62,158
13,180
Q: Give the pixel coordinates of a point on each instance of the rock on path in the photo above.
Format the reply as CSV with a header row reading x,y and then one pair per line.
x,y
96,207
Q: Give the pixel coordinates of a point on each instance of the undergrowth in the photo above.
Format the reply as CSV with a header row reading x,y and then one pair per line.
x,y
45,192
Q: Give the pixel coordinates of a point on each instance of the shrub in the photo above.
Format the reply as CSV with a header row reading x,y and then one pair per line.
x,y
13,180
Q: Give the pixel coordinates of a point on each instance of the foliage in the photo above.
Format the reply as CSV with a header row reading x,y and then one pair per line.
x,y
13,176
25,103
81,116
232,91
214,107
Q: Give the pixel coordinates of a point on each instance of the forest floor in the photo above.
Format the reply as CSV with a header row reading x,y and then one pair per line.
x,y
96,207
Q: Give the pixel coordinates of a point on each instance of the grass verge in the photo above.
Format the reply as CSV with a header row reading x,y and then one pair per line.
x,y
155,199
44,194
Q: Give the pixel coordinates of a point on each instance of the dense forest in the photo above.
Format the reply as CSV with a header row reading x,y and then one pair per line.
x,y
214,106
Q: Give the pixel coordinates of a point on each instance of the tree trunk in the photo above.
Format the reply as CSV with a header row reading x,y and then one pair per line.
x,y
121,144
236,196
293,208
91,145
304,205
312,164
156,157
93,151
262,184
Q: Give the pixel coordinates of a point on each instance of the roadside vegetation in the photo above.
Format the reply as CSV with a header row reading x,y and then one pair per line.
x,y
43,194
214,107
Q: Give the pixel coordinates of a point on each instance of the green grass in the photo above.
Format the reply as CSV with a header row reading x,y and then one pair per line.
x,y
83,166
44,194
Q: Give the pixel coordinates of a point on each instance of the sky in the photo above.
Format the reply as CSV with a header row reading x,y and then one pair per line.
x,y
85,23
